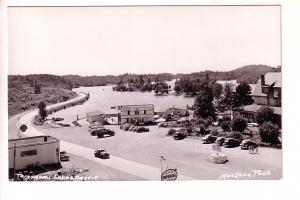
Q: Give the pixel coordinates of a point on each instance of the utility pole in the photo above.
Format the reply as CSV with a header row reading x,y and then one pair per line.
x,y
161,159
14,158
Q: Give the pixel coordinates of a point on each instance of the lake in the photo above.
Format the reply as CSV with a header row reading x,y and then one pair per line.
x,y
103,98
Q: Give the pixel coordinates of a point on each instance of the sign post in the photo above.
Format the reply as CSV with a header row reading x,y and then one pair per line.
x,y
216,148
216,157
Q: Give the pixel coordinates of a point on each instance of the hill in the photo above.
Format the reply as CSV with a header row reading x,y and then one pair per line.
x,y
248,74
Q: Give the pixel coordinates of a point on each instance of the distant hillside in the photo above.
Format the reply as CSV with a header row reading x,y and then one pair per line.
x,y
251,73
25,92
248,74
44,80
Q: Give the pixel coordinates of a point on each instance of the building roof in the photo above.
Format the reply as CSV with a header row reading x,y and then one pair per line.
x,y
270,78
94,113
255,108
177,108
26,141
136,106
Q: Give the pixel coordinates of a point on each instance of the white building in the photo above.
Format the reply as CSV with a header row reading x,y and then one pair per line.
x,y
136,113
37,150
95,116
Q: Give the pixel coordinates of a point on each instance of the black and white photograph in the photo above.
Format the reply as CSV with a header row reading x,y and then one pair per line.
x,y
117,93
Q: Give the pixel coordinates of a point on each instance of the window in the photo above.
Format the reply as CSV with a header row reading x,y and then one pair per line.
x,y
136,112
265,90
145,112
28,153
128,112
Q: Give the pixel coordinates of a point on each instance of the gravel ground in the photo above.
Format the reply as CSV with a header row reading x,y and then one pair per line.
x,y
189,156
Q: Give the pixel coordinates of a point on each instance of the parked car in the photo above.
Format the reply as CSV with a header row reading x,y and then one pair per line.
x,y
64,157
246,144
220,141
210,139
231,142
132,128
142,129
206,136
102,132
179,135
101,153
95,131
95,127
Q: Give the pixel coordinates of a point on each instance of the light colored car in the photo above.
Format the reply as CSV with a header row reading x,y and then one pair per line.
x,y
205,137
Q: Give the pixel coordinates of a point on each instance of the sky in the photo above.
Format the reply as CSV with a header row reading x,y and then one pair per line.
x,y
153,39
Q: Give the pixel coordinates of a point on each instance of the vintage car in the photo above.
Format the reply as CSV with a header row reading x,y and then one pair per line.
x,y
247,144
64,157
179,135
210,139
231,142
220,141
101,153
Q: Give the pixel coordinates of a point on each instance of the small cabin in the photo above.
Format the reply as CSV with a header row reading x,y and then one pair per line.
x,y
95,116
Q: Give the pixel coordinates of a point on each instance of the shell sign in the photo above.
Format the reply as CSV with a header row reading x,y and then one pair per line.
x,y
169,175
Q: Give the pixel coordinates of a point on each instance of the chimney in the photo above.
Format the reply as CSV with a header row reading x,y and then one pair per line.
x,y
262,77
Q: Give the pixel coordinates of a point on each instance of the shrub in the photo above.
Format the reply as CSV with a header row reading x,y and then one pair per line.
x,y
214,132
189,129
236,135
269,133
42,110
226,118
171,132
265,114
204,122
225,125
239,124
202,130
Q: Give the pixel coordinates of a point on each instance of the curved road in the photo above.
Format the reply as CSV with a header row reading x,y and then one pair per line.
x,y
118,163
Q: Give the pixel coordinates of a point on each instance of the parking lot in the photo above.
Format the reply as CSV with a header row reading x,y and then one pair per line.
x,y
189,156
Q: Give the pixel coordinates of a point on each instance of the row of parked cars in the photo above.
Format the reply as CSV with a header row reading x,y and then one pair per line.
x,y
229,142
130,127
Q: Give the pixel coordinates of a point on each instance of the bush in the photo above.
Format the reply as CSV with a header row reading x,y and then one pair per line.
x,y
171,132
265,114
204,122
239,124
189,129
269,133
225,125
236,135
214,132
226,118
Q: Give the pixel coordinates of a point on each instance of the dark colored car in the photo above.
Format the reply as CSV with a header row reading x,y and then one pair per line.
x,y
101,153
231,142
142,129
64,157
102,132
95,131
179,136
220,141
210,139
247,144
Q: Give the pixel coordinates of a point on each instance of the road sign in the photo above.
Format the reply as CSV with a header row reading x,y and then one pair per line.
x,y
216,148
23,127
169,175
